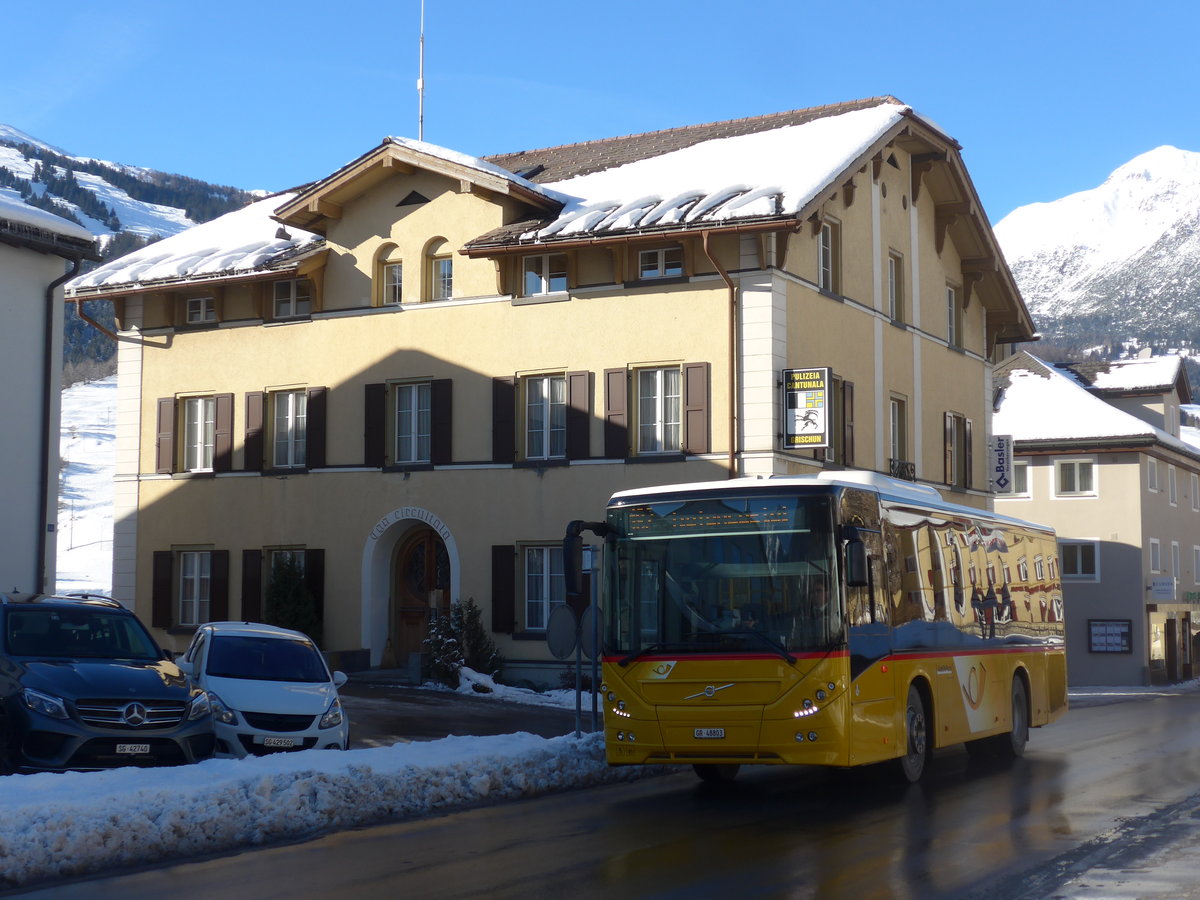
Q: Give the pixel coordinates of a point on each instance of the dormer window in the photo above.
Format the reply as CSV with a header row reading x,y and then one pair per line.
x,y
665,262
293,299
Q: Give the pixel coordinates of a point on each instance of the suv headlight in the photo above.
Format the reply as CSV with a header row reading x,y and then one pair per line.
x,y
200,707
220,711
333,715
44,704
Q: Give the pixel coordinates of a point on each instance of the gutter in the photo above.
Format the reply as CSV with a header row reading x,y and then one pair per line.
x,y
733,406
48,360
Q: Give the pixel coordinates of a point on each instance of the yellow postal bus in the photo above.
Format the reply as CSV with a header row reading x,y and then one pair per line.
x,y
838,619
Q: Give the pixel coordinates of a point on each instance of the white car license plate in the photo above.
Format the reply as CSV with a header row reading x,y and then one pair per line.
x,y
278,742
709,733
133,749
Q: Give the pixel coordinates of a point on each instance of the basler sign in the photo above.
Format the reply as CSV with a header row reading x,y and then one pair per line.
x,y
1000,464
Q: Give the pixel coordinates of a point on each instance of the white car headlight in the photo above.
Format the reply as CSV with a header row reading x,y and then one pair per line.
x,y
333,716
45,704
220,711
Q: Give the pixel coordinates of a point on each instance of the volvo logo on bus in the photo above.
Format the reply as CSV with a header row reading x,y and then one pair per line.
x,y
134,714
710,691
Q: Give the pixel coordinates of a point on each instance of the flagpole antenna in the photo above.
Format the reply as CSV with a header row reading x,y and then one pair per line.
x,y
421,80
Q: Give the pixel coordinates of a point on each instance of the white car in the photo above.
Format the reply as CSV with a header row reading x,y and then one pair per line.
x,y
269,688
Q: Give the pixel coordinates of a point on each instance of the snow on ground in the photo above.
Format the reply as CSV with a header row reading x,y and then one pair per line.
x,y
85,498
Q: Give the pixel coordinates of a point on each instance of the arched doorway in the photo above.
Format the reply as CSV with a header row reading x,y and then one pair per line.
x,y
420,589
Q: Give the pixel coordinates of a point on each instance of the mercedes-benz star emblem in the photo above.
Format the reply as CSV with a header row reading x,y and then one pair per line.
x,y
134,714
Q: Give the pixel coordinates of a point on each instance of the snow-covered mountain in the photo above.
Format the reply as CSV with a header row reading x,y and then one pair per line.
x,y
1119,261
107,198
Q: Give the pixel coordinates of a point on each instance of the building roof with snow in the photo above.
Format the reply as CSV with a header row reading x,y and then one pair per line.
x,y
1046,405
28,226
1152,375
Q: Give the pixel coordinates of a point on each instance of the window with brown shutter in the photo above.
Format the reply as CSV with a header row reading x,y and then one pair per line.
x,y
255,411
314,436
697,428
374,419
616,413
162,589
252,585
441,422
579,414
504,422
504,601
164,446
223,434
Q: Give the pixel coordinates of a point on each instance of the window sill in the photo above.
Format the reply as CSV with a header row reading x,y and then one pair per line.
x,y
284,471
657,458
409,467
655,282
556,297
551,463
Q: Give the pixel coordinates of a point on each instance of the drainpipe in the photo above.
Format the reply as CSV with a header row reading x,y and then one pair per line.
x,y
49,360
733,382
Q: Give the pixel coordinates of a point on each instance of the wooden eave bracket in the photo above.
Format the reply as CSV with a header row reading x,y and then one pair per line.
x,y
922,163
848,192
973,271
318,206
945,215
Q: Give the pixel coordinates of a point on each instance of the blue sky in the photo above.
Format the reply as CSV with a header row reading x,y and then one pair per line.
x,y
1047,98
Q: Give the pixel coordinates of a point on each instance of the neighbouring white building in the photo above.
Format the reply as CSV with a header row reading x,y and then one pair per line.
x,y
33,247
1100,454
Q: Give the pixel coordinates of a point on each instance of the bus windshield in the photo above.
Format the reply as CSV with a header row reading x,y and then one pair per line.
x,y
723,574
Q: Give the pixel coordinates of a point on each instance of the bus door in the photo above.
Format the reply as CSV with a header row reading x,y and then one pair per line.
x,y
872,685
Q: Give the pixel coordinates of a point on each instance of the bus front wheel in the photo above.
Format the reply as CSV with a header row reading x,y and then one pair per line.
x,y
717,772
916,735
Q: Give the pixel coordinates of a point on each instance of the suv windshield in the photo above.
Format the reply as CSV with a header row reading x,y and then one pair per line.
x,y
82,633
265,659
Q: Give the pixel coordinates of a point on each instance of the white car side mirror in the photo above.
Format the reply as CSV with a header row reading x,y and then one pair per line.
x,y
339,678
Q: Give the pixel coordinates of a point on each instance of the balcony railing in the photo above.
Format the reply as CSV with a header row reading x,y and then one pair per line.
x,y
902,468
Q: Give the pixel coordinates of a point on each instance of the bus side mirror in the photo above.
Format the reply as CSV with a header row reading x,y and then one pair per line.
x,y
573,562
856,564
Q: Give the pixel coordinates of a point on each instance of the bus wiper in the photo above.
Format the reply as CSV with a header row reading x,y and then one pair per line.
x,y
649,648
770,642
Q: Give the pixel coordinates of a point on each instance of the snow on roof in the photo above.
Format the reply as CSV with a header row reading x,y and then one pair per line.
x,y
16,210
773,172
242,241
474,162
1156,372
1046,405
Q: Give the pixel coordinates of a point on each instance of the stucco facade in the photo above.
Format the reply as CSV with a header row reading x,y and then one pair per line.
x,y
480,512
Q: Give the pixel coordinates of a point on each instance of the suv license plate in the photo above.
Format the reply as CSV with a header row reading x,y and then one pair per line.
x,y
709,733
133,749
279,742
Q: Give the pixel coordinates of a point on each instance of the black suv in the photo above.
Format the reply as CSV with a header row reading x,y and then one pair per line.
x,y
83,685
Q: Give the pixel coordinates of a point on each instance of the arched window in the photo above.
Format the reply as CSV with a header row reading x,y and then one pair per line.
x,y
439,270
389,276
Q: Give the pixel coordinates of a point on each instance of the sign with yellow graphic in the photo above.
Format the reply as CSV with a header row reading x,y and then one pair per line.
x,y
805,408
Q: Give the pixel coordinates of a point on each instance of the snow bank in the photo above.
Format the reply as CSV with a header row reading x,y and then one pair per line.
x,y
63,825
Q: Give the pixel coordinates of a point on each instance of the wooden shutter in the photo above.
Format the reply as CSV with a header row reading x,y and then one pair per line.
x,y
848,423
374,416
441,422
252,586
162,593
314,580
968,453
314,428
255,413
579,409
696,422
218,586
504,588
223,437
504,423
164,445
616,415
948,433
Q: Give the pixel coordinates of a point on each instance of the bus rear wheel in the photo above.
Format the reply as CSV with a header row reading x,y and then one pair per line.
x,y
916,737
717,772
1012,744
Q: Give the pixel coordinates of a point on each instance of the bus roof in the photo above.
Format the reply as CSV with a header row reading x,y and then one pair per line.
x,y
887,488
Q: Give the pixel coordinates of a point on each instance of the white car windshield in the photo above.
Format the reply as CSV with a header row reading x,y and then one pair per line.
x,y
265,659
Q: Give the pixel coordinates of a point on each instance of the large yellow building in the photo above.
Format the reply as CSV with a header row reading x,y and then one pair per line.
x,y
407,377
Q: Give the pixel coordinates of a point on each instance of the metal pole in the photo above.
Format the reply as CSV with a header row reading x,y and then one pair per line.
x,y
595,644
578,682
421,80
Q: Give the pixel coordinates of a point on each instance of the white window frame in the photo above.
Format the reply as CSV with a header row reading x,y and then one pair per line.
x,y
1195,564
828,256
199,433
1066,550
544,585
1172,486
1152,474
289,429
545,277
200,310
1022,466
195,587
1195,492
545,416
1076,463
393,283
295,555
898,428
441,277
1175,561
411,436
294,302
895,285
655,263
1155,555
659,409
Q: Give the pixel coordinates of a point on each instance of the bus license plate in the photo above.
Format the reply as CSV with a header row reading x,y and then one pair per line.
x,y
709,733
279,742
133,749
